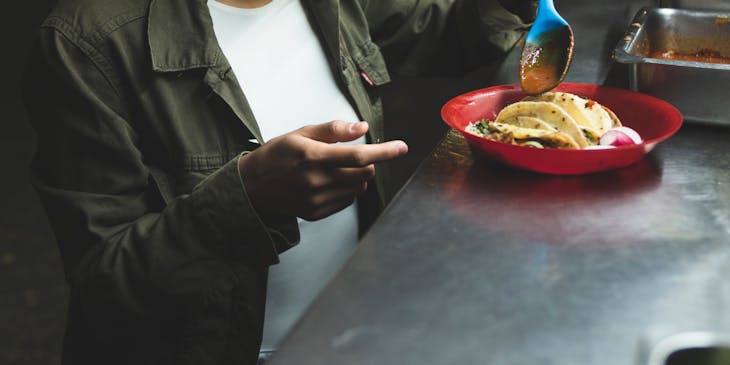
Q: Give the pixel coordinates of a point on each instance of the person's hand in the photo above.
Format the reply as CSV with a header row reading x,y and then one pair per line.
x,y
304,174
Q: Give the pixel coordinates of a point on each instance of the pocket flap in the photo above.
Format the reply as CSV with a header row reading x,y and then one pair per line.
x,y
370,61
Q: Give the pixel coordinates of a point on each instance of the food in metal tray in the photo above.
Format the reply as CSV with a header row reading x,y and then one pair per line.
x,y
556,120
702,55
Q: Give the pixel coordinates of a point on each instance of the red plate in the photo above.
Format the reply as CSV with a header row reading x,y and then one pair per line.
x,y
654,119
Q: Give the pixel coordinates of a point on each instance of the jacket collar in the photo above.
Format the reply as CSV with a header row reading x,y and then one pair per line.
x,y
181,36
326,17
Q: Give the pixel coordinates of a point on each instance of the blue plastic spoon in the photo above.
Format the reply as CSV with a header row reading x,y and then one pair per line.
x,y
547,52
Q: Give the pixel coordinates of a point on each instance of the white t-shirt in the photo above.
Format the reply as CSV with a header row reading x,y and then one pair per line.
x,y
283,71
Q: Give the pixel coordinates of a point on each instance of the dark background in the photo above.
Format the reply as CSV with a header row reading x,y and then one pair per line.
x,y
33,292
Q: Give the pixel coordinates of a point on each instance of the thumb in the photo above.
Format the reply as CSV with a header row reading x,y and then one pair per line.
x,y
335,131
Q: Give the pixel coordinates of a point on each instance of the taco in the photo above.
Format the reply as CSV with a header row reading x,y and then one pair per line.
x,y
553,119
587,113
549,113
509,133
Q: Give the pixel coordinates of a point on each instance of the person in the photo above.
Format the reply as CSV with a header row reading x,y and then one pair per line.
x,y
184,145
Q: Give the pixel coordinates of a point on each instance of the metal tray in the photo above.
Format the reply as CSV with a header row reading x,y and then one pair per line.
x,y
699,90
696,4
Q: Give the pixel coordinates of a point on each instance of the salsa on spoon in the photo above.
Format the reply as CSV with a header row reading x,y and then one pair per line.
x,y
547,52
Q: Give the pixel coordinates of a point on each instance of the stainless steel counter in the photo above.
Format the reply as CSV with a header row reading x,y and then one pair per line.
x,y
475,263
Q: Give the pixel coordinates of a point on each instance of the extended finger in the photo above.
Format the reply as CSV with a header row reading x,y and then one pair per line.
x,y
334,131
334,202
359,155
334,177
328,196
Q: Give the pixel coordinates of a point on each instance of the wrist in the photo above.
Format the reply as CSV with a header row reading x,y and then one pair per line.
x,y
246,186
249,187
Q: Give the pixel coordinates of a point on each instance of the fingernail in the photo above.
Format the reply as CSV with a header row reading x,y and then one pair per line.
x,y
402,147
357,126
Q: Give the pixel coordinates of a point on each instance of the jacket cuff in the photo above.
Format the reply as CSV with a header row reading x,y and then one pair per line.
x,y
284,229
222,203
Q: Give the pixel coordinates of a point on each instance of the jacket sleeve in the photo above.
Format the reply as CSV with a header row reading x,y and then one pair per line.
x,y
446,37
129,258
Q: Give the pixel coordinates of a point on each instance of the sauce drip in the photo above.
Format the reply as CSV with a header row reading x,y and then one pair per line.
x,y
544,63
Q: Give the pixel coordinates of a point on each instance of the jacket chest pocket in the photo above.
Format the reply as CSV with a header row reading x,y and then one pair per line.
x,y
365,71
369,66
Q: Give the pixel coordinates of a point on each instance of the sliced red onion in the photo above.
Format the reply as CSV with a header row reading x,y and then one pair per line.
x,y
620,136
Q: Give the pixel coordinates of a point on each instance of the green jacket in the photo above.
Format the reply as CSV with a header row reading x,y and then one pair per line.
x,y
140,122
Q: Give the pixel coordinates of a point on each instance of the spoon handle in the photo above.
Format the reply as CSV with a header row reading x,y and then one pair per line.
x,y
545,7
547,19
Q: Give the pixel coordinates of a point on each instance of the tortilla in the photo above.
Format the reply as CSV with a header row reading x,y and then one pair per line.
x,y
554,119
531,122
549,113
615,121
592,135
547,137
586,112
